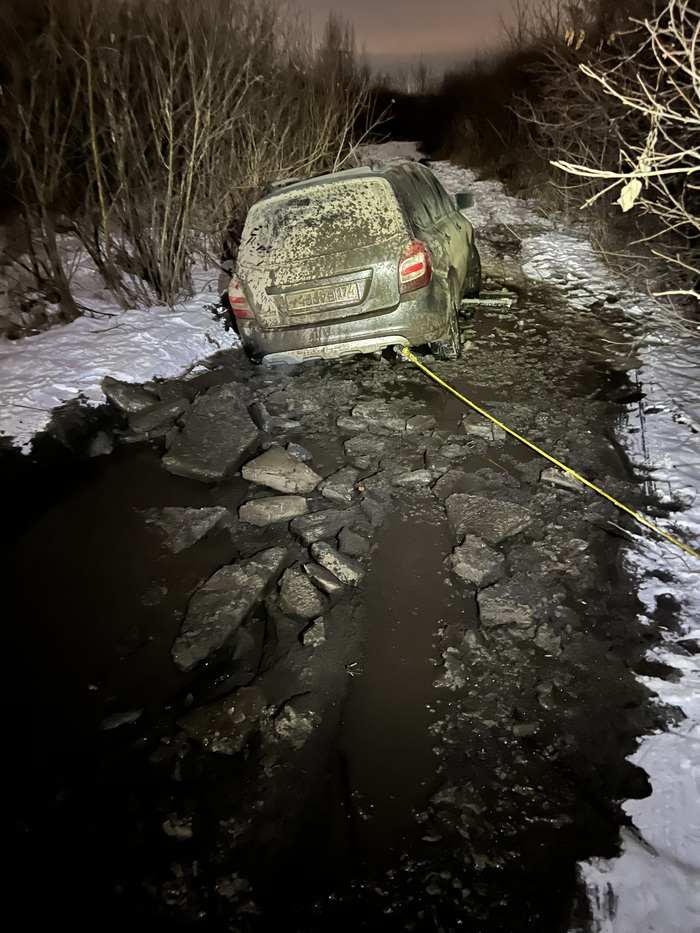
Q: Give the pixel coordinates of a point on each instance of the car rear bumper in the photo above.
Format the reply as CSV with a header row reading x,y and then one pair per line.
x,y
336,351
417,319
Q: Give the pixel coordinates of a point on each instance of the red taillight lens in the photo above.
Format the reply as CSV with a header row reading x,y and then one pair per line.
x,y
414,267
239,302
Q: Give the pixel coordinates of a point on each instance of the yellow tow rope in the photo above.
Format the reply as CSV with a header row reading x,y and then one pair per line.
x,y
406,353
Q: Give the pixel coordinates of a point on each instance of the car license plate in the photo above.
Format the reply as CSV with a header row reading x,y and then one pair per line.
x,y
324,296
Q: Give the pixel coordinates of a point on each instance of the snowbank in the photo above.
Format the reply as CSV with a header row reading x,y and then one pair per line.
x,y
40,373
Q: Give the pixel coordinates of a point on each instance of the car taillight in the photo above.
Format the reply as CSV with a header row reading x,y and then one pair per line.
x,y
239,302
414,267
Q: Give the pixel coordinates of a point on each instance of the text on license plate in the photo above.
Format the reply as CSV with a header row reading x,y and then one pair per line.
x,y
325,295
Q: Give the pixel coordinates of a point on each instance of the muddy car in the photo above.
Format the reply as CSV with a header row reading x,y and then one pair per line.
x,y
352,262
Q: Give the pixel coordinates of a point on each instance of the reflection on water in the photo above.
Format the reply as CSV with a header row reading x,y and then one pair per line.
x,y
386,739
100,605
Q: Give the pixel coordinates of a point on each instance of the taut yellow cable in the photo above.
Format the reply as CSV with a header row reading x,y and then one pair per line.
x,y
562,466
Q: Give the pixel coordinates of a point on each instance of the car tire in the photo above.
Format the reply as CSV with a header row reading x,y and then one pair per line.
x,y
472,283
451,347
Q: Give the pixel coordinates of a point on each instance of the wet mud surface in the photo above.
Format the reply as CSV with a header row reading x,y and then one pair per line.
x,y
426,736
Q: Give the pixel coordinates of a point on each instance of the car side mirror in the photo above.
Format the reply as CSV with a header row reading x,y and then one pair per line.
x,y
465,199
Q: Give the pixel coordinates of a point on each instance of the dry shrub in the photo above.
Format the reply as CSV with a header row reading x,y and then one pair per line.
x,y
591,96
146,127
479,124
657,88
615,96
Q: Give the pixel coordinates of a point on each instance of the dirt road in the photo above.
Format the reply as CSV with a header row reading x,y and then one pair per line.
x,y
421,719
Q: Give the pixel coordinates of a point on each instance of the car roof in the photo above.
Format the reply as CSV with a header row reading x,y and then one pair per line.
x,y
376,170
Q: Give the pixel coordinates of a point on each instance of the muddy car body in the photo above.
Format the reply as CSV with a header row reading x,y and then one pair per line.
x,y
352,262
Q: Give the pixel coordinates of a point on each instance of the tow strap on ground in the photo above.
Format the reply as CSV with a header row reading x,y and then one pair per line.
x,y
406,353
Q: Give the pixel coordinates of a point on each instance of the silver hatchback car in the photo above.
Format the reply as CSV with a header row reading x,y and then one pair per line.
x,y
352,262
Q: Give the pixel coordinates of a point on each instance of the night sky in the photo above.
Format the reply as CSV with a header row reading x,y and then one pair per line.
x,y
398,33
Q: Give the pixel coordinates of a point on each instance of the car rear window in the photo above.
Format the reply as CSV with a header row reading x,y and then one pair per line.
x,y
322,219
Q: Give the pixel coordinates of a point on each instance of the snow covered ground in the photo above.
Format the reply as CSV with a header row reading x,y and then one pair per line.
x,y
40,373
654,885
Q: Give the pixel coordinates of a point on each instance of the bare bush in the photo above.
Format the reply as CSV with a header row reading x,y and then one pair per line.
x,y
595,104
659,176
41,131
151,124
615,98
560,111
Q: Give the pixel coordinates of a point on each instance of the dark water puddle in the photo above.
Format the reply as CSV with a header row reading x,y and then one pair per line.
x,y
525,751
97,601
386,738
94,601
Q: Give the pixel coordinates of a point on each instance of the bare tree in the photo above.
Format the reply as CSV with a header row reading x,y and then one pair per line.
x,y
149,125
659,175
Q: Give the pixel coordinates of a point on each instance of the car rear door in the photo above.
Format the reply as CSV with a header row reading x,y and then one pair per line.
x,y
323,252
451,229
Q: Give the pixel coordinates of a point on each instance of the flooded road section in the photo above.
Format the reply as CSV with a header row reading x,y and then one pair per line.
x,y
397,698
387,720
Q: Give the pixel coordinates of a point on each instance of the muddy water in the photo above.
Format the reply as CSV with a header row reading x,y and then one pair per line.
x,y
87,572
435,801
94,603
386,737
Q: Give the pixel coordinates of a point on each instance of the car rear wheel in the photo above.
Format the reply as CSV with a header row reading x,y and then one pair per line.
x,y
472,283
451,347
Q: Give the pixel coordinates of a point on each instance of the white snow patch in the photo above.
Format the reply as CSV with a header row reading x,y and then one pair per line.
x,y
492,206
642,891
66,362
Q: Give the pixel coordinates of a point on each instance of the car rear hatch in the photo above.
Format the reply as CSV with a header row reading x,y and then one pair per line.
x,y
322,253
